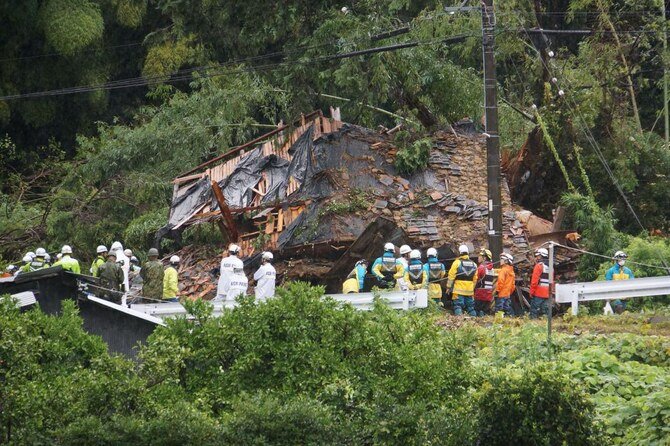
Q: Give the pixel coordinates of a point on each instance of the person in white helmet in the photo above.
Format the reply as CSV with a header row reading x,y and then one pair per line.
x,y
265,278
387,269
10,271
461,282
504,286
539,284
171,280
416,277
37,262
67,262
618,272
226,271
128,253
27,259
237,282
101,252
123,261
436,272
405,252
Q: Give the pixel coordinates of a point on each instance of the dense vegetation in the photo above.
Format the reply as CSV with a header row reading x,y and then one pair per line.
x,y
301,370
167,84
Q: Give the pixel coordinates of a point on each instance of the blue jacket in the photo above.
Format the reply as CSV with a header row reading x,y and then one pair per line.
x,y
618,272
431,259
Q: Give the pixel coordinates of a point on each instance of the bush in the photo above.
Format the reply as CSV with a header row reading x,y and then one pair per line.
x,y
537,407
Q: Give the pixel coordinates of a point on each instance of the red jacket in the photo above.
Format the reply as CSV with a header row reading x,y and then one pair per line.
x,y
486,275
539,283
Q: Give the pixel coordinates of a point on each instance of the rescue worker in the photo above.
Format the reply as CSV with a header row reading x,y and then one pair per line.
x,y
237,283
416,276
9,271
171,281
435,271
111,276
124,261
67,262
505,284
618,272
405,251
38,261
47,260
265,278
226,271
26,263
486,275
461,284
355,281
152,276
539,284
58,257
128,253
386,269
101,250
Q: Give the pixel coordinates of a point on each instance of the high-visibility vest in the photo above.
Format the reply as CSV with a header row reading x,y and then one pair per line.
x,y
466,270
415,272
435,270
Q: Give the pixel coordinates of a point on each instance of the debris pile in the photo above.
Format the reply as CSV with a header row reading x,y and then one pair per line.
x,y
311,191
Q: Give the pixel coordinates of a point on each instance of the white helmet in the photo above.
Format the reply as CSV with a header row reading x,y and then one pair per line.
x,y
233,248
128,253
389,247
463,249
432,252
415,254
117,246
66,249
542,252
11,268
100,249
27,258
404,249
173,259
31,254
59,256
47,257
238,266
267,255
507,256
620,255
40,252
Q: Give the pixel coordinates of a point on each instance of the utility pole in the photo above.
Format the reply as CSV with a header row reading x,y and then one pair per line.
x,y
491,132
666,119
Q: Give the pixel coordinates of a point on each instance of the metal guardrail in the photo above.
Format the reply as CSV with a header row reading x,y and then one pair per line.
x,y
574,293
157,312
24,299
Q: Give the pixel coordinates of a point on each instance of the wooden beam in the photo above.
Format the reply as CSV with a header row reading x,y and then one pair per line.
x,y
187,178
227,216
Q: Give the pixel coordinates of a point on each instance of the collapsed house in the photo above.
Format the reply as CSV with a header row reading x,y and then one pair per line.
x,y
321,193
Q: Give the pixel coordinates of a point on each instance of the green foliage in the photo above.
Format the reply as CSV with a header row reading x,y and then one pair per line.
x,y
538,406
597,227
140,232
356,200
411,156
70,25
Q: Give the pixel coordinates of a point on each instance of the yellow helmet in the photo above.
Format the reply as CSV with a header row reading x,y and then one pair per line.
x,y
486,253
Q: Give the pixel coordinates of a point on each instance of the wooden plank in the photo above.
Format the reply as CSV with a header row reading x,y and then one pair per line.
x,y
187,178
227,219
280,220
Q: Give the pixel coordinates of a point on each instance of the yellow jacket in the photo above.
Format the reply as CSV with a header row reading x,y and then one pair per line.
x,y
69,264
421,273
170,283
462,277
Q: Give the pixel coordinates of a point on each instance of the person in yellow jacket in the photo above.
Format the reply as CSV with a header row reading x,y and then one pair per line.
x,y
99,260
356,278
387,269
436,272
461,282
171,281
416,277
67,262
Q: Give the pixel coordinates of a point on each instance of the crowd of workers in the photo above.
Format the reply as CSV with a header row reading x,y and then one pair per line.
x,y
119,271
477,289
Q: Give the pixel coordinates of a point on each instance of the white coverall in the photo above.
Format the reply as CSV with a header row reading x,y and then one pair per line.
x,y
237,285
225,273
126,266
265,279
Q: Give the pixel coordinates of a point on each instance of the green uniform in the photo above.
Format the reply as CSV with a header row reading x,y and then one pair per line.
x,y
111,276
69,264
97,263
152,277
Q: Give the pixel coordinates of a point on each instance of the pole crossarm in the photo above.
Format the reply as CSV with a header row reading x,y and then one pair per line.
x,y
574,293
